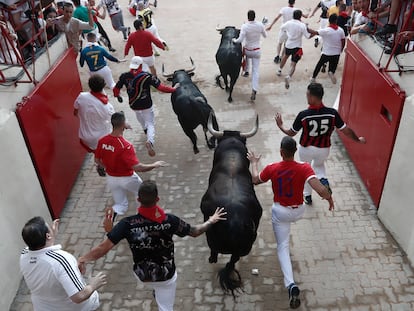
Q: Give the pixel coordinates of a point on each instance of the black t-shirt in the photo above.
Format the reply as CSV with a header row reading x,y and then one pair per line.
x,y
151,244
317,125
138,88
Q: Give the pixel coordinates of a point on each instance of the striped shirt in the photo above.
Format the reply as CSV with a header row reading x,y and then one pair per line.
x,y
52,276
317,125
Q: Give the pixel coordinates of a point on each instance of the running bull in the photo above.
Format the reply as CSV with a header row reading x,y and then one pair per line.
x,y
231,187
229,58
190,105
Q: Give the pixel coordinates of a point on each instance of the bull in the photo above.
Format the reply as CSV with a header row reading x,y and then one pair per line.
x,y
230,186
190,106
229,59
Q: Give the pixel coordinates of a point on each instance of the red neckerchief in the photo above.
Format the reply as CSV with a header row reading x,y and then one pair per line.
x,y
364,13
344,14
316,107
153,213
333,26
101,96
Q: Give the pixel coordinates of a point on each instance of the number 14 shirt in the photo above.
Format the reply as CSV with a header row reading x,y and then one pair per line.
x,y
317,124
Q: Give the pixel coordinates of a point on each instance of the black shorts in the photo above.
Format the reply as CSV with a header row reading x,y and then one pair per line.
x,y
296,54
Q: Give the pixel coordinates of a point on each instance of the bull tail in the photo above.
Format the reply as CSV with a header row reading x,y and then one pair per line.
x,y
218,81
230,279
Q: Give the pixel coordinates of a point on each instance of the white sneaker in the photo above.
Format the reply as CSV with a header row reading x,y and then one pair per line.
x,y
332,76
279,72
287,79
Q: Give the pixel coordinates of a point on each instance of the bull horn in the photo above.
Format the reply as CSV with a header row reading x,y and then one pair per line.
x,y
167,75
211,129
192,68
219,29
253,131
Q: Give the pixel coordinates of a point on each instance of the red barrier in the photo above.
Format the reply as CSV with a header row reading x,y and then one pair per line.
x,y
371,104
51,131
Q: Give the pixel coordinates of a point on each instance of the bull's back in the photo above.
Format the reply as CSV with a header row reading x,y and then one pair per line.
x,y
230,56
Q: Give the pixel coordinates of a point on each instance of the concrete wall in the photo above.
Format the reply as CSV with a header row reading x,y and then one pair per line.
x,y
21,196
396,208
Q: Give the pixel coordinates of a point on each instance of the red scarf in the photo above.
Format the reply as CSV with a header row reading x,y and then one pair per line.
x,y
101,96
316,107
344,14
333,26
153,213
364,13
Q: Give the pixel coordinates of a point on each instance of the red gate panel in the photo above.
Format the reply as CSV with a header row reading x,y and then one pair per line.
x,y
51,131
371,104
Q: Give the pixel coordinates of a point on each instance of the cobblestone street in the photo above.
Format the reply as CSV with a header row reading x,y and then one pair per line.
x,y
343,260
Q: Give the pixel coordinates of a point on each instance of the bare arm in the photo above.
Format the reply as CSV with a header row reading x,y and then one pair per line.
x,y
96,282
95,253
274,22
351,134
218,215
322,191
254,160
90,17
142,167
279,123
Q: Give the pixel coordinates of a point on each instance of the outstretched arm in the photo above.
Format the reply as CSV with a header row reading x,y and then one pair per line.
x,y
95,253
218,215
279,123
142,167
351,134
254,160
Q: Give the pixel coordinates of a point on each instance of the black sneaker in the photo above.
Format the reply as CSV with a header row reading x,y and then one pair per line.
x,y
276,60
101,171
294,292
253,96
307,199
325,182
316,42
387,29
246,74
111,49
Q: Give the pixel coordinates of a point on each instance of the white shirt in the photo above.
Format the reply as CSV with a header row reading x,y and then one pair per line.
x,y
52,276
111,5
287,13
360,19
294,29
332,40
94,118
250,33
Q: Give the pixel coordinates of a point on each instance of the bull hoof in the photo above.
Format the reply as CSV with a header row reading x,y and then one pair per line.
x,y
195,149
211,144
230,99
212,259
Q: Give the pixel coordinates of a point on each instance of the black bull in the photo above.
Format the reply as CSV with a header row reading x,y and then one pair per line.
x,y
191,106
231,187
229,58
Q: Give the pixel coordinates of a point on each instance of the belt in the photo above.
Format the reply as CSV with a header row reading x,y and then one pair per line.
x,y
96,69
255,49
291,206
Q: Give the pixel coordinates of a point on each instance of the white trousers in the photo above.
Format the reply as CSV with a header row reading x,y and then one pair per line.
x,y
282,217
316,157
148,61
147,120
106,73
254,56
120,186
164,292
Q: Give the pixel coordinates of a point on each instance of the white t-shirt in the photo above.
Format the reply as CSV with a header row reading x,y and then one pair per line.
x,y
287,13
294,29
250,33
111,5
52,276
94,118
332,40
360,19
